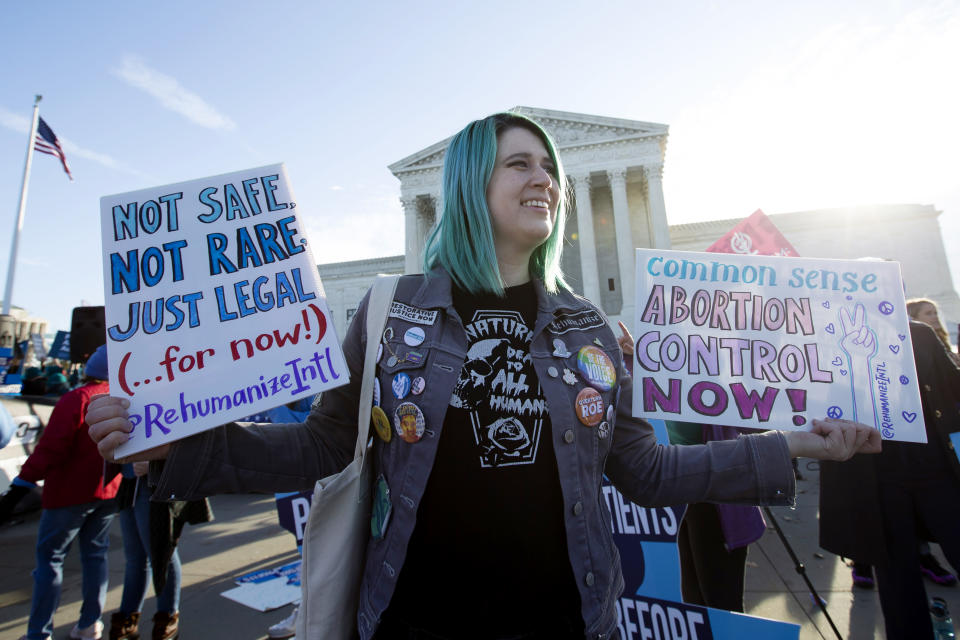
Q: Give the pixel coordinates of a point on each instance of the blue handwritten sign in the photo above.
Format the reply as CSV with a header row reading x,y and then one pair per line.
x,y
773,342
214,307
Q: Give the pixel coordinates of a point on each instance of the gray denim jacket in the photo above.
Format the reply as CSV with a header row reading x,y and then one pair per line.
x,y
247,458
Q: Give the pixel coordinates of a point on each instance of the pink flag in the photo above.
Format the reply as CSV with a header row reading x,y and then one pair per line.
x,y
756,235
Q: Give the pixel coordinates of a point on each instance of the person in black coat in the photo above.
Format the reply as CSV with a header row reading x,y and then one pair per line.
x,y
875,509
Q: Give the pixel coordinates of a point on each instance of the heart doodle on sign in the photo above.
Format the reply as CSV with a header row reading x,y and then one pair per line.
x,y
902,337
895,348
843,372
909,416
826,305
830,329
836,361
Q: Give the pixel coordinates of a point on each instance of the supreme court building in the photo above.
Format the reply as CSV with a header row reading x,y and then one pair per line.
x,y
615,169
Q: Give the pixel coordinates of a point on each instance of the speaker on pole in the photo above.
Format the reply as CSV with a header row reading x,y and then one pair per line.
x,y
87,332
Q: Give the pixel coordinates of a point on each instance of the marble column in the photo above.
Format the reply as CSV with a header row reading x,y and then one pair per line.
x,y
624,235
431,221
588,245
660,231
411,251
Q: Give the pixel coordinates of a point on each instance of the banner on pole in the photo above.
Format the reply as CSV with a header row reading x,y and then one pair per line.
x,y
773,342
60,349
214,306
754,235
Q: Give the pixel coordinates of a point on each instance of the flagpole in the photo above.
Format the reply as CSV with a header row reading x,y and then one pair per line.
x,y
8,292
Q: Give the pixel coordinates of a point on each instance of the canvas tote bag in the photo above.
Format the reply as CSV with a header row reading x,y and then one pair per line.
x,y
338,527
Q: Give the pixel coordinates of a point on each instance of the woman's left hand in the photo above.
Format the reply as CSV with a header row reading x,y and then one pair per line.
x,y
833,440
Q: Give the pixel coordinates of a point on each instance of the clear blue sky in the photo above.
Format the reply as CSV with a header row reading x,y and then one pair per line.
x,y
779,106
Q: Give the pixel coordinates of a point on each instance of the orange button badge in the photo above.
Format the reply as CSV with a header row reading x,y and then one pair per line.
x,y
589,406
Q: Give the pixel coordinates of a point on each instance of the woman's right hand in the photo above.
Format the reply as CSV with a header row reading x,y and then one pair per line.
x,y
109,427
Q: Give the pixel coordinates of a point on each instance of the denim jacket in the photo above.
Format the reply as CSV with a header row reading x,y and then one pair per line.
x,y
237,458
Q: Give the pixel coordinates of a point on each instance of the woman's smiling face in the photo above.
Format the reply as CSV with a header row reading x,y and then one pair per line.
x,y
523,193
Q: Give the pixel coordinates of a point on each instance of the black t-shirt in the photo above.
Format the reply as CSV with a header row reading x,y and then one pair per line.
x,y
488,555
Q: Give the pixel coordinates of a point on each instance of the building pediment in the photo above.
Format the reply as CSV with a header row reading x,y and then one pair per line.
x,y
569,130
580,129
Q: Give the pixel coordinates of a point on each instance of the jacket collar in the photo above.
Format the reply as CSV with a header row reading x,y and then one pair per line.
x,y
436,292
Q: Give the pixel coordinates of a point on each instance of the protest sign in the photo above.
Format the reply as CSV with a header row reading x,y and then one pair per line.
x,y
61,346
773,342
39,350
214,307
267,589
754,235
651,605
293,510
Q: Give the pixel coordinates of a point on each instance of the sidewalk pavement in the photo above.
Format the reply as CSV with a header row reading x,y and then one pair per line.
x,y
245,537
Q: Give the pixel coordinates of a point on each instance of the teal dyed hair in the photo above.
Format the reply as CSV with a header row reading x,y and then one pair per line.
x,y
462,240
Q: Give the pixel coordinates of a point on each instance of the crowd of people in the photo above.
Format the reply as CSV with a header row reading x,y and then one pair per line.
x,y
82,495
496,508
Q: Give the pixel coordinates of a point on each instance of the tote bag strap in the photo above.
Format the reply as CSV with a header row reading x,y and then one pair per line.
x,y
381,297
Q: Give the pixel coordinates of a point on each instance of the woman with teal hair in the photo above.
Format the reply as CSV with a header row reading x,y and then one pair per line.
x,y
504,403
471,241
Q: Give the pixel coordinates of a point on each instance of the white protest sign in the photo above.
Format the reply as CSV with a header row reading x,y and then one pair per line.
x,y
214,307
774,342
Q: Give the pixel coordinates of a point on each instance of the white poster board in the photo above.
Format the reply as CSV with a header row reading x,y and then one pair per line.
x,y
773,342
214,307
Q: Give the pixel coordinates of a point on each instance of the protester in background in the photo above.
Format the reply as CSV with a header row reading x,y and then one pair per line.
x,y
498,528
927,312
74,379
875,509
78,493
56,382
713,538
34,383
139,523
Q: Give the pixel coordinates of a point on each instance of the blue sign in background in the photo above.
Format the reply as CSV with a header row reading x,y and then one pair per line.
x,y
60,349
652,605
293,510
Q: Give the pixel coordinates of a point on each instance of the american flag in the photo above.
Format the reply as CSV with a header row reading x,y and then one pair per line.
x,y
47,142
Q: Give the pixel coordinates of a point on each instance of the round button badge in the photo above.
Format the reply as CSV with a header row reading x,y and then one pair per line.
x,y
589,406
418,385
596,367
408,421
603,429
401,385
414,336
381,424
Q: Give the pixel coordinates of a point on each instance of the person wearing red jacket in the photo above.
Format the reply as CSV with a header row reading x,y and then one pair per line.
x,y
78,493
